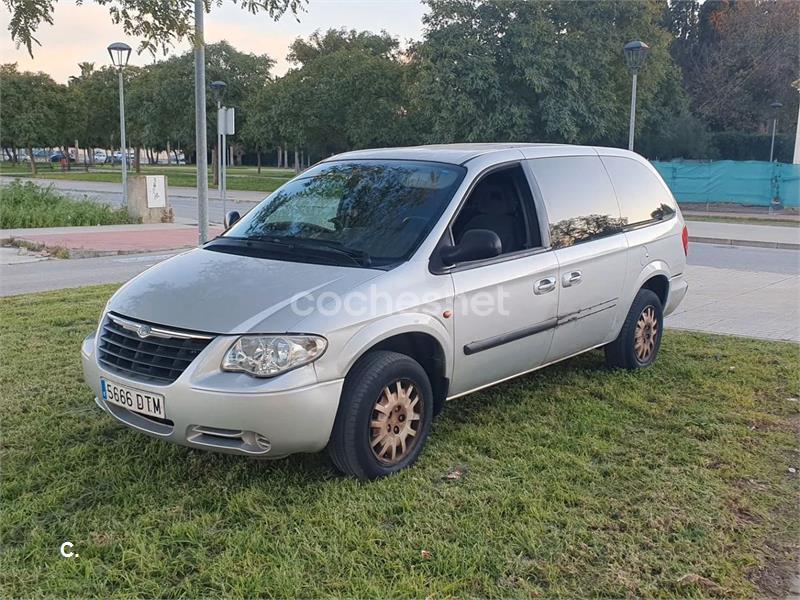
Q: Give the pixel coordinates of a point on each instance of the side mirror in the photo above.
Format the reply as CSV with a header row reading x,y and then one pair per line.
x,y
231,218
476,244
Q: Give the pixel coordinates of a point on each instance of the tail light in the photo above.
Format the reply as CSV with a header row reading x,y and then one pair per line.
x,y
685,240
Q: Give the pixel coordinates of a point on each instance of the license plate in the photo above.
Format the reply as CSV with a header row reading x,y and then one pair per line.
x,y
134,400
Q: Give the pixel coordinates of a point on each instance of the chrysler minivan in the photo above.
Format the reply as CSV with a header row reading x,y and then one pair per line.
x,y
347,307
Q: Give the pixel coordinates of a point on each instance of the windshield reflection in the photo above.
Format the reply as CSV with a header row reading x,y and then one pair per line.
x,y
376,212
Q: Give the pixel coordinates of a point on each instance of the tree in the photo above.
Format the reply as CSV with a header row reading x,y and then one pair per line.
x,y
744,57
347,93
161,96
97,123
261,129
303,52
32,110
549,71
156,24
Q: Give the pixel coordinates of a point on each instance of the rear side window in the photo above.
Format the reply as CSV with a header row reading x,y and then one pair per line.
x,y
642,197
581,204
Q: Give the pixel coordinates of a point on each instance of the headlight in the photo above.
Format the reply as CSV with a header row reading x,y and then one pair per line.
x,y
270,355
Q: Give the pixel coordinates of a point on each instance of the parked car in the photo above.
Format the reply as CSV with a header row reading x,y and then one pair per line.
x,y
100,156
57,156
343,310
38,155
116,158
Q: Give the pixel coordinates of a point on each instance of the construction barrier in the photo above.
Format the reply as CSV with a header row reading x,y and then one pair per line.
x,y
749,183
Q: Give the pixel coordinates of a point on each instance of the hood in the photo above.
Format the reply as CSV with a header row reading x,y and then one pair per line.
x,y
213,292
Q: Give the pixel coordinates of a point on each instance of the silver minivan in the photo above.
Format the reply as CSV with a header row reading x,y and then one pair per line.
x,y
347,307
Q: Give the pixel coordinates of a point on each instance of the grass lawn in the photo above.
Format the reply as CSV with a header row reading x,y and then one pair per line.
x,y
577,482
24,204
239,178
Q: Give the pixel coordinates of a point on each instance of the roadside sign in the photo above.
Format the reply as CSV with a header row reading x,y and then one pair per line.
x,y
156,191
226,121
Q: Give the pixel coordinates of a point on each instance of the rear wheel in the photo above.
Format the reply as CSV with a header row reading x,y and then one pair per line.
x,y
639,339
384,416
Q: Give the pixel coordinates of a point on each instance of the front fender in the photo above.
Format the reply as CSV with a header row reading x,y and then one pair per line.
x,y
377,331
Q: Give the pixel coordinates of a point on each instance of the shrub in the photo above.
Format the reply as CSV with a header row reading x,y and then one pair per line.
x,y
679,136
735,145
25,205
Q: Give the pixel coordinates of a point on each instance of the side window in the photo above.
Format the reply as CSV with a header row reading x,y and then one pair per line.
x,y
642,197
581,205
501,202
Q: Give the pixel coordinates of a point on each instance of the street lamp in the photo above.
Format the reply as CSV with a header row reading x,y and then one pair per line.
x,y
120,53
218,87
775,106
796,157
635,55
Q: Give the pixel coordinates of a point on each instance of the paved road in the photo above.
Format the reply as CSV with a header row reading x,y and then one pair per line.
x,y
56,274
753,292
741,258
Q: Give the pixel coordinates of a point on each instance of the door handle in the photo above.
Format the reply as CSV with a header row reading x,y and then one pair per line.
x,y
548,284
571,278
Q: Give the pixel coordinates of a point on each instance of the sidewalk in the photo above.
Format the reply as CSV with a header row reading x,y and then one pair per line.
x,y
738,212
745,234
87,242
760,305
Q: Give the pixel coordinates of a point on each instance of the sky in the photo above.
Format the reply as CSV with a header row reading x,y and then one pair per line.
x,y
82,33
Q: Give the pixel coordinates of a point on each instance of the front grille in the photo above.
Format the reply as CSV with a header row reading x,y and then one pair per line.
x,y
147,352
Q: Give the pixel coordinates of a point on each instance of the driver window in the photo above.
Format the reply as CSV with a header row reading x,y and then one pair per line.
x,y
497,204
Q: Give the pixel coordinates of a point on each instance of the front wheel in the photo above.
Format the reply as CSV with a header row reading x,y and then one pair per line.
x,y
639,339
384,416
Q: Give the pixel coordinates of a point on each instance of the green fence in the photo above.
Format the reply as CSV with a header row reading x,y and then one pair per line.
x,y
748,182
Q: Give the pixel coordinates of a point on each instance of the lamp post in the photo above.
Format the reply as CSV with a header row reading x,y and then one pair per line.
x,y
796,157
218,87
635,54
120,53
201,144
775,106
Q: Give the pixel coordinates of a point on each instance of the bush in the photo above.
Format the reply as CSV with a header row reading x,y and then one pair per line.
x,y
734,145
25,205
680,136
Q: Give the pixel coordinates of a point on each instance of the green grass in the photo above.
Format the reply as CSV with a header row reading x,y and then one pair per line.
x,y
578,482
239,178
25,205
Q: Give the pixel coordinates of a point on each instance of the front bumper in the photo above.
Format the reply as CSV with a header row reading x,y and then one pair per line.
x,y
230,412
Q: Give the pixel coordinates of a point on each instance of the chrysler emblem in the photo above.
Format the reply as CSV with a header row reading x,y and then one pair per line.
x,y
143,331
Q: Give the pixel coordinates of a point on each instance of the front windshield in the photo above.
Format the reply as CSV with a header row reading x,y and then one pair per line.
x,y
368,212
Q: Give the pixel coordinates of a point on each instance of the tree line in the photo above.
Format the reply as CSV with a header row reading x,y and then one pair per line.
x,y
494,70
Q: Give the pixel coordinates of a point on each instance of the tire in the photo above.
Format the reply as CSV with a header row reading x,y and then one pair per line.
x,y
637,345
365,402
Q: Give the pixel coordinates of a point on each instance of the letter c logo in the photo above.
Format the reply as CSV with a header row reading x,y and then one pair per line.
x,y
64,552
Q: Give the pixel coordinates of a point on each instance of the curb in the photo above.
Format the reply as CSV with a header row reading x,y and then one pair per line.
x,y
78,253
751,243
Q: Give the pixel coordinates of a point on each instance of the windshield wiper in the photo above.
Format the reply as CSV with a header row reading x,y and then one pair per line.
x,y
359,257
